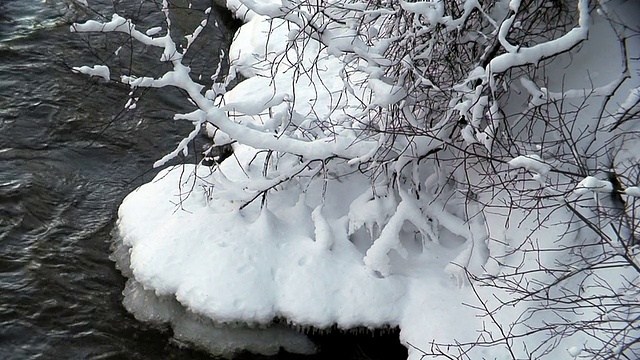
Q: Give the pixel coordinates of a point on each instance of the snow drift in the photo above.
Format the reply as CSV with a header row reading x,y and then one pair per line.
x,y
474,206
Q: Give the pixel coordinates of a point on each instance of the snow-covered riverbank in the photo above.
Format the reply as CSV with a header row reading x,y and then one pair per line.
x,y
304,224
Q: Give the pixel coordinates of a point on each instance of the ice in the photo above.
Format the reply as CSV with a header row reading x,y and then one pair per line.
x,y
386,94
217,338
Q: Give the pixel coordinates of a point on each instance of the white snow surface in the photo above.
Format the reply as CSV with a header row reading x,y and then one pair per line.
x,y
207,256
531,163
97,70
591,183
254,265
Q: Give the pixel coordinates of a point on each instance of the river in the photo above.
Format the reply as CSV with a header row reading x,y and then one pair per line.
x,y
68,156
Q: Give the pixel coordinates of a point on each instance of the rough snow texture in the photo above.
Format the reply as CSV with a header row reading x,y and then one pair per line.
x,y
97,70
256,265
345,220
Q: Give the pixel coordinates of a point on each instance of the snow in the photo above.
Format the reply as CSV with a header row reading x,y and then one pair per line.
x,y
292,259
97,70
153,30
590,183
256,265
630,106
249,253
574,351
131,104
532,163
633,191
534,54
223,339
311,233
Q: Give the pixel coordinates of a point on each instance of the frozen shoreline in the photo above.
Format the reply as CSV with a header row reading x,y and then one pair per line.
x,y
204,241
220,274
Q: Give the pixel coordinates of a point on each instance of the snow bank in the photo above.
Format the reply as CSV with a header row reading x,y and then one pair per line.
x,y
228,267
251,267
239,271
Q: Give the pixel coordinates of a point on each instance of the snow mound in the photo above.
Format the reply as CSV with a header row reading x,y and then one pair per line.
x,y
233,257
216,338
221,275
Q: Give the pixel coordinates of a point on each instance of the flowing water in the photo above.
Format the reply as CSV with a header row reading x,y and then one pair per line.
x,y
68,156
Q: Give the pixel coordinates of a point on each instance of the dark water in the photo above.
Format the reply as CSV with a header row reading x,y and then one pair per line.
x,y
68,156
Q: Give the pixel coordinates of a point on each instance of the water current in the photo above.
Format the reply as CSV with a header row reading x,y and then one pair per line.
x,y
68,156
